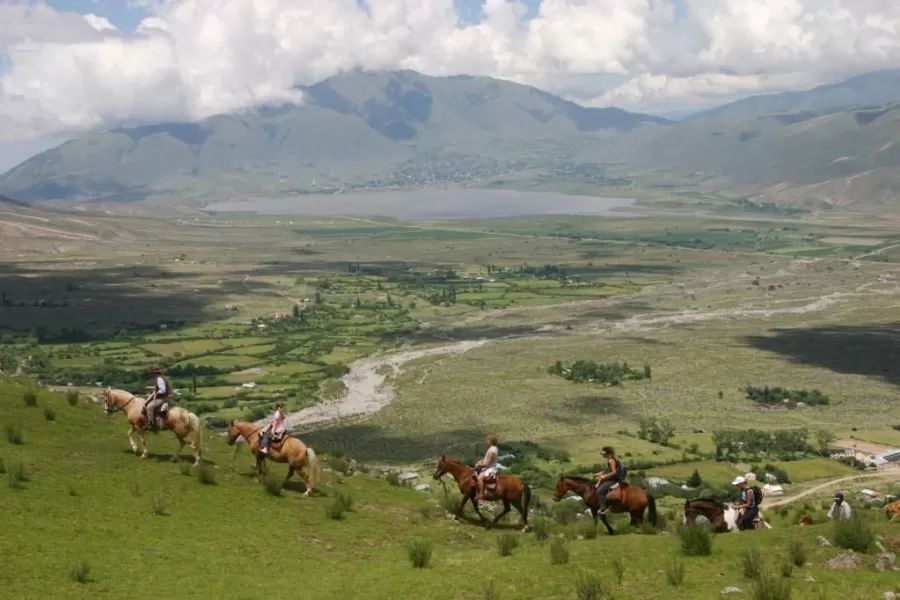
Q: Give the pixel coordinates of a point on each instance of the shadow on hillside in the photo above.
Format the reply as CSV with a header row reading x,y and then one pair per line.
x,y
104,300
575,411
475,333
370,443
872,350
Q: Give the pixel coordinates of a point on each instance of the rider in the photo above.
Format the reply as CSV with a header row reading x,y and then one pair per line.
x,y
608,477
840,510
748,503
161,391
275,428
488,467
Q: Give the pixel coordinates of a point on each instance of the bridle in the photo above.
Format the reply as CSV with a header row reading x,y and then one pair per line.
x,y
115,407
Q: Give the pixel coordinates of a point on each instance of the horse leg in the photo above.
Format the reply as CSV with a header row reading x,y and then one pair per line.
x,y
594,512
144,443
506,509
177,456
134,446
520,508
484,521
609,529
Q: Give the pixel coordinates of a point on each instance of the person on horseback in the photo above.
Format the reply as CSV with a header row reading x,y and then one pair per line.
x,y
608,477
840,510
487,467
748,504
274,429
161,391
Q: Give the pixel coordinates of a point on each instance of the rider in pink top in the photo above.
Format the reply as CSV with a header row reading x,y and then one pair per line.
x,y
275,428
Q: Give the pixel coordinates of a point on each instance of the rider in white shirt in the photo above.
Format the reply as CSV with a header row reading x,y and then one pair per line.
x,y
488,467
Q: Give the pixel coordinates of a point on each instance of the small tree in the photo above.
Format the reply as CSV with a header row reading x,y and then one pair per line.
x,y
695,481
824,438
296,311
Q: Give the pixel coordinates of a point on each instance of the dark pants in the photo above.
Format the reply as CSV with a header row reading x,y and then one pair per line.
x,y
747,520
265,441
602,490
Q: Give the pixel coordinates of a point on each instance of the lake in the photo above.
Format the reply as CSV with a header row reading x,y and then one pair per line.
x,y
429,204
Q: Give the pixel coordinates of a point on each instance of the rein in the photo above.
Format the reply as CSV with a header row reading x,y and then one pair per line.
x,y
116,407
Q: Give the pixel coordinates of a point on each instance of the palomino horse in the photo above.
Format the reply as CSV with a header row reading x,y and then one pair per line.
x,y
892,510
621,498
508,489
182,422
291,451
723,517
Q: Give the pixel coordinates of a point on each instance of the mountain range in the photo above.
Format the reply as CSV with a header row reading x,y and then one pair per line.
x,y
830,146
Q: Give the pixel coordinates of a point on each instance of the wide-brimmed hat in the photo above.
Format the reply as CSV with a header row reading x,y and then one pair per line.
x,y
155,369
739,480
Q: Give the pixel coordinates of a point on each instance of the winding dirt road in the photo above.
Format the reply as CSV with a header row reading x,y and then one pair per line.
x,y
888,474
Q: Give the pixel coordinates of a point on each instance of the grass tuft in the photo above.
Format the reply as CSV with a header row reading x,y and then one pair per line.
x,y
675,572
160,509
618,567
14,434
72,397
559,552
797,552
30,398
419,552
542,527
506,543
768,586
206,474
854,533
49,413
16,476
696,541
590,586
751,563
81,573
273,484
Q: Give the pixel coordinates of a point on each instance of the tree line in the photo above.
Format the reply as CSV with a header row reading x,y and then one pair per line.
x,y
779,396
588,371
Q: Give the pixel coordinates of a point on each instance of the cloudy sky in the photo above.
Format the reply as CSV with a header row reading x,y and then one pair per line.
x,y
71,65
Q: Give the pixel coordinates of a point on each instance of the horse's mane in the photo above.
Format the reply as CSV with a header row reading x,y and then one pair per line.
x,y
713,501
578,479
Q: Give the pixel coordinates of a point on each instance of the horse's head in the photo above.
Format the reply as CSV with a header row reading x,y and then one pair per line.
x,y
109,402
562,488
233,434
442,467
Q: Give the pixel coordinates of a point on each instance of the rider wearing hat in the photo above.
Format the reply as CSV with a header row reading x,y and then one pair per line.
x,y
840,510
161,391
748,504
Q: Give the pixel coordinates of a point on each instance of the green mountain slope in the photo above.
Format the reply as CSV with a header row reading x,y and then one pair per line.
x,y
365,124
869,89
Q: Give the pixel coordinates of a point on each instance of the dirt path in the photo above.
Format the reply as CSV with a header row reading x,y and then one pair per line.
x,y
366,391
894,474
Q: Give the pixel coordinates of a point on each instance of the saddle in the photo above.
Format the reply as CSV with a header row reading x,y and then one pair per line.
x,y
277,439
490,481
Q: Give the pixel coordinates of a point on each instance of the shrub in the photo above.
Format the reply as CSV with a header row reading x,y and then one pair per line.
x,y
854,533
2,467
770,587
590,586
675,572
339,464
393,478
206,474
489,593
81,573
695,541
618,570
559,553
16,476
542,528
72,397
14,434
419,552
335,511
787,568
71,490
159,507
450,502
506,543
49,413
751,563
589,530
30,398
273,484
566,512
797,552
345,500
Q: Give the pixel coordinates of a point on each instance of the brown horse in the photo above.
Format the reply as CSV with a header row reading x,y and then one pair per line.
x,y
621,498
290,450
510,490
183,423
892,510
724,518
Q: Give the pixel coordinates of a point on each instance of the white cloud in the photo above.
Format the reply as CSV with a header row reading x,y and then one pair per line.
x,y
194,58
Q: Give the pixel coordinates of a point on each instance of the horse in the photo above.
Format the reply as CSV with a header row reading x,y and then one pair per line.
x,y
290,450
892,510
509,489
623,497
183,423
723,517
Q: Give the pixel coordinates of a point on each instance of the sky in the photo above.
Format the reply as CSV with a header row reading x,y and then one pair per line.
x,y
70,66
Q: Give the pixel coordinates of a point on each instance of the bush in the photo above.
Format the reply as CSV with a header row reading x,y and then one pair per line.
x,y
506,543
542,528
273,484
393,478
159,507
206,474
71,490
797,552
335,511
590,586
419,552
675,572
787,568
854,533
49,413
565,513
695,541
16,476
72,397
339,464
450,502
751,563
345,500
589,530
81,573
770,587
29,398
14,434
559,553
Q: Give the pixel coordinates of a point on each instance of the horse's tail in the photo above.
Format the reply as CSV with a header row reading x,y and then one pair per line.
x,y
651,506
526,493
196,432
313,462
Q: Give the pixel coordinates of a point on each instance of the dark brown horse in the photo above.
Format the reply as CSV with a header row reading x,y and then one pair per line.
x,y
621,498
723,517
508,489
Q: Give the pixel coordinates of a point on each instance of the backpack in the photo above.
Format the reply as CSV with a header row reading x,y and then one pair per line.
x,y
757,495
622,471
